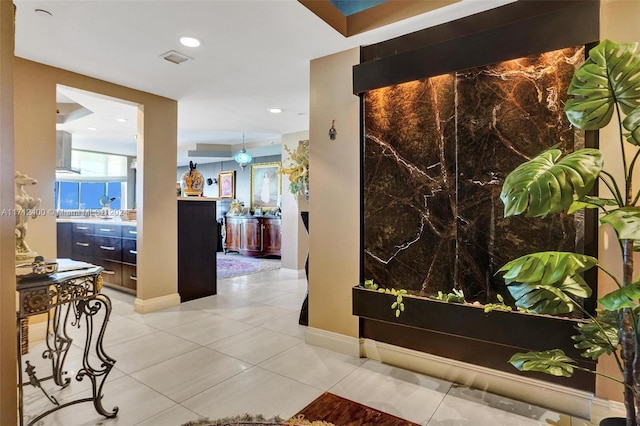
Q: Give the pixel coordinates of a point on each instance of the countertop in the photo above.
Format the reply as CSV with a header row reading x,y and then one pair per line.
x,y
81,219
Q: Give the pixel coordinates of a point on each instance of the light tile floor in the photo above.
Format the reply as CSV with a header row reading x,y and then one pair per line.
x,y
242,351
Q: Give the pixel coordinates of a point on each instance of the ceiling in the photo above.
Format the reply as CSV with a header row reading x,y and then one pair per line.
x,y
254,55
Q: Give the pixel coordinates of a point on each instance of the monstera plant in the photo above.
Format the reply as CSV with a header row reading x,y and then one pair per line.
x,y
605,87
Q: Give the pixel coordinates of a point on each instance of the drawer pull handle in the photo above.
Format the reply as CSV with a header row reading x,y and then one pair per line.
x,y
133,251
108,272
83,244
132,278
106,229
107,248
83,228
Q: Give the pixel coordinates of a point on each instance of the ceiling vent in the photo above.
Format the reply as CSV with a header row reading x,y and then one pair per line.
x,y
175,57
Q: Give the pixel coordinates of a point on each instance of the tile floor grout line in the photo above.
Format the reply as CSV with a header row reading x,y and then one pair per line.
x,y
439,405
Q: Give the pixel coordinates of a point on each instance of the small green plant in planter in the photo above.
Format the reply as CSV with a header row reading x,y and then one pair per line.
x,y
606,85
398,305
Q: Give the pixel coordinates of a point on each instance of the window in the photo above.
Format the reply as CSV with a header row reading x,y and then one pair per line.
x,y
68,196
87,195
100,175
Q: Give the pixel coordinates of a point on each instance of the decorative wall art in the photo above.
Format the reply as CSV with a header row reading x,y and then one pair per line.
x,y
226,185
265,186
436,152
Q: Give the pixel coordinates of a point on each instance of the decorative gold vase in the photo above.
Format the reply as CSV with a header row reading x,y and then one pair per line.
x,y
192,181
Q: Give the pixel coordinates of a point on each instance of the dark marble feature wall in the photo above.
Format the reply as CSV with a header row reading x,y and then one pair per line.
x,y
436,153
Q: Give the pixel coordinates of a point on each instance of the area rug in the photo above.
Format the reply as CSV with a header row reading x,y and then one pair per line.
x,y
259,420
234,264
344,412
326,410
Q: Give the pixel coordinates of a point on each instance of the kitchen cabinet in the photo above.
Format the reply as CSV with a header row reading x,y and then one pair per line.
x,y
112,245
253,235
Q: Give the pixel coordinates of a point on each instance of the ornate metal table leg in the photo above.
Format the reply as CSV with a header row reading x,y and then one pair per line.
x,y
98,376
20,390
58,343
66,300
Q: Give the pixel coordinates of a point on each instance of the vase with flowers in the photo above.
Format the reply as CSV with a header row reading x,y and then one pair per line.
x,y
298,169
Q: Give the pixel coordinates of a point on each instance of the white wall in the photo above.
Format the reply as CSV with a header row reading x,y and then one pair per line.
x,y
295,241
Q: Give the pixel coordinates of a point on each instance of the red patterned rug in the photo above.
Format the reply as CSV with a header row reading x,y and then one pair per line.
x,y
326,410
234,264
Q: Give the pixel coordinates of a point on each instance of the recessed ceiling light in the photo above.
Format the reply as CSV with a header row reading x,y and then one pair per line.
x,y
189,41
93,129
275,110
121,120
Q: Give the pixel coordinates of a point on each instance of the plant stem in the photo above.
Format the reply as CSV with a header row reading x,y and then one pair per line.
x,y
609,274
628,342
627,176
615,191
597,373
633,164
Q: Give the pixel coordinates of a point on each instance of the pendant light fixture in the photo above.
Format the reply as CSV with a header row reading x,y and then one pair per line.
x,y
243,158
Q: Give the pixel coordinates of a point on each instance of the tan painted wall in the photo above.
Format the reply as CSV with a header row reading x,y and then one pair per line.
x,y
8,379
334,181
618,22
295,241
35,105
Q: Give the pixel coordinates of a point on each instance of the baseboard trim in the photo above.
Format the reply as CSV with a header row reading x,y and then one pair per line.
x,y
333,341
559,398
299,273
603,408
156,303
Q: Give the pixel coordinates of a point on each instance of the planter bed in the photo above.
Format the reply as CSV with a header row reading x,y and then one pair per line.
x,y
466,333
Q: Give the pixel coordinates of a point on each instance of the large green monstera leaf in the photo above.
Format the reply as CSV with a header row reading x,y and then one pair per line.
x,y
598,336
632,124
622,298
625,221
547,183
548,282
609,76
554,362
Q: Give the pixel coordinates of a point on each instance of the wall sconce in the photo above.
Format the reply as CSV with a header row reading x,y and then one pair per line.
x,y
211,181
332,131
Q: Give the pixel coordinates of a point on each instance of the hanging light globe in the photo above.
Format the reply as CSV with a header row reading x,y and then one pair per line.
x,y
243,158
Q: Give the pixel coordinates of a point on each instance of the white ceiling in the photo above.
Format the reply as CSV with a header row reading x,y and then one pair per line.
x,y
254,55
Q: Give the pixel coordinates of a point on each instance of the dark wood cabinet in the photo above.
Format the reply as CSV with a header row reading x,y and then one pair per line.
x,y
108,244
197,246
271,237
253,235
63,239
108,248
129,251
82,242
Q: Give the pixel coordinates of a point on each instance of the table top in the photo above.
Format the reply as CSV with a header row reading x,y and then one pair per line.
x,y
67,269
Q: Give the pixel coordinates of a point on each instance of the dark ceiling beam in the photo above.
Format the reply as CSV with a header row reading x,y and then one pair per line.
x,y
512,31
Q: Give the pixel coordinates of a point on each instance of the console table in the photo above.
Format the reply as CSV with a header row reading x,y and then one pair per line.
x,y
70,299
252,235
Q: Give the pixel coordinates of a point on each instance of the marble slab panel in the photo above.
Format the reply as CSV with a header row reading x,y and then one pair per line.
x,y
436,154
